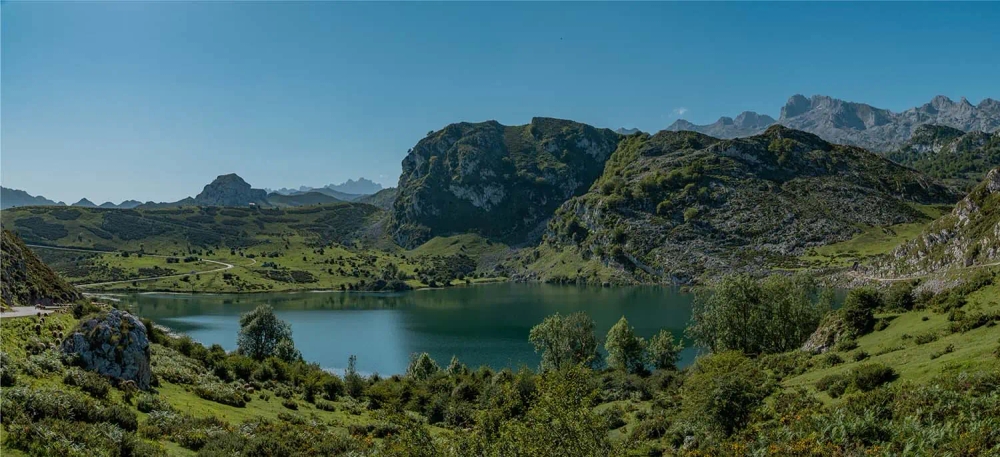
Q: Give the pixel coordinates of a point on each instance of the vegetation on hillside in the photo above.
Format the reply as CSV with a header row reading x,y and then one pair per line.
x,y
903,379
951,155
26,280
674,206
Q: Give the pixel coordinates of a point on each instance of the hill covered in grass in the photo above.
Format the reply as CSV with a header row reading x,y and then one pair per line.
x,y
26,280
498,181
675,205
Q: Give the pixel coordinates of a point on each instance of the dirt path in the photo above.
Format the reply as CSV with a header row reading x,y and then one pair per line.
x,y
926,275
24,311
225,266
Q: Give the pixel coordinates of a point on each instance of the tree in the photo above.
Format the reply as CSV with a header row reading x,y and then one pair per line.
x,y
565,341
263,335
859,310
723,390
422,366
626,351
663,352
775,315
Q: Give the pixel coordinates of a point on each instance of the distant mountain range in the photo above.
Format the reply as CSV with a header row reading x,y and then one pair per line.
x,y
349,190
10,198
856,124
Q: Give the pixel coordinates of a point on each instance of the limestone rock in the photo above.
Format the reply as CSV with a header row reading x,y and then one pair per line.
x,y
114,344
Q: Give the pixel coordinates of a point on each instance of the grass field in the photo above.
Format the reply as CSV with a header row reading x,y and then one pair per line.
x,y
872,241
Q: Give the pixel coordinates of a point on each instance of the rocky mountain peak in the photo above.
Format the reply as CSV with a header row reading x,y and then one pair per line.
x,y
230,190
85,203
752,120
796,105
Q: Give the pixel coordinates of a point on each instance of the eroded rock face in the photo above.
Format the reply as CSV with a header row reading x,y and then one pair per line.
x,y
114,344
831,330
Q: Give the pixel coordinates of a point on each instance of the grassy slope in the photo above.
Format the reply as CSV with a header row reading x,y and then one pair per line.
x,y
17,331
872,241
895,345
289,238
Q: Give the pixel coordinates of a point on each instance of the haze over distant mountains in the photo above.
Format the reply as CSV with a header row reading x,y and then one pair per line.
x,y
856,124
348,190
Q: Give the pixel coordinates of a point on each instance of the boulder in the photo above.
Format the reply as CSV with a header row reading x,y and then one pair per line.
x,y
113,344
831,330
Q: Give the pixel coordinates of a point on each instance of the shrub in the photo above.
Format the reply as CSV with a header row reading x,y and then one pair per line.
x,y
421,366
290,404
92,383
326,405
148,403
946,350
832,359
227,394
859,356
834,384
614,417
883,324
871,375
846,345
927,337
48,361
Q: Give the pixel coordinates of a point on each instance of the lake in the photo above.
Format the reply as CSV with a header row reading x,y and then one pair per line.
x,y
482,325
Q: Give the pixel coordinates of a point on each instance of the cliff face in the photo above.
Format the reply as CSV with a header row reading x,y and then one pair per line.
x,y
26,280
499,181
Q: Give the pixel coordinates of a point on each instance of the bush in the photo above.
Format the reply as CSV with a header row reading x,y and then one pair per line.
x,y
846,345
290,404
927,337
92,383
324,405
871,375
148,403
48,361
883,324
859,356
832,359
227,394
614,416
946,350
834,384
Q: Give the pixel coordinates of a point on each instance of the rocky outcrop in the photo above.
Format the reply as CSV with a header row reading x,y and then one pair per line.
x,y
230,190
956,157
26,280
858,124
113,344
499,181
826,336
967,237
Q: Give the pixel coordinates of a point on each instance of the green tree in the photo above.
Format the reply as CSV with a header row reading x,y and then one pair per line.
x,y
565,341
859,310
723,390
663,352
422,366
263,335
743,314
626,350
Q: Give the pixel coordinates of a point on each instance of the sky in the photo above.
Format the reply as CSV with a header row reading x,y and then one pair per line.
x,y
153,100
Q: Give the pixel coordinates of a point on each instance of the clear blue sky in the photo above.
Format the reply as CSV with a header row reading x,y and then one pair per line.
x,y
152,100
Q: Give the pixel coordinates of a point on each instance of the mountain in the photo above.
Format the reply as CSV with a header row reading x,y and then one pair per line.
x,y
968,236
26,280
10,198
625,131
230,190
300,199
747,123
360,187
349,190
858,124
499,181
673,206
85,203
951,155
383,199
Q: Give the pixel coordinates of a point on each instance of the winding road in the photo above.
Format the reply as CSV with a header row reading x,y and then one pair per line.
x,y
225,266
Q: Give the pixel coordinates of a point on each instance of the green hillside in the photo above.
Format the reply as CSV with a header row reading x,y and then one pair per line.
x,y
676,205
26,280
